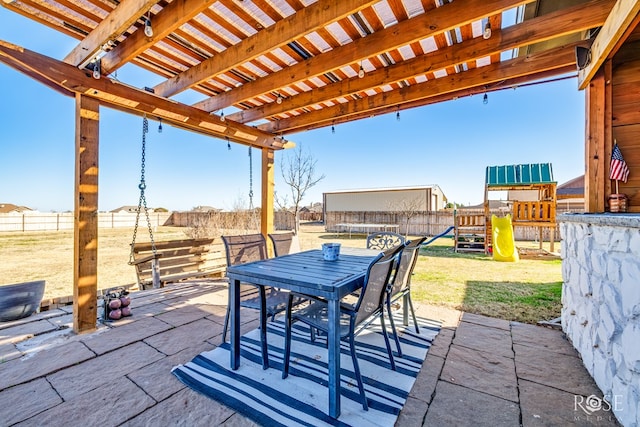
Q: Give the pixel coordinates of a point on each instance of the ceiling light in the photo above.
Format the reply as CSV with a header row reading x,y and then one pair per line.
x,y
486,34
96,69
485,99
148,30
222,119
361,72
279,99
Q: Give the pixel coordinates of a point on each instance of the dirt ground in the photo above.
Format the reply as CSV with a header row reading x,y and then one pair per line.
x,y
49,255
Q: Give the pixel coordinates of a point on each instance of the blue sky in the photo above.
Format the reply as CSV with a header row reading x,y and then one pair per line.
x,y
449,144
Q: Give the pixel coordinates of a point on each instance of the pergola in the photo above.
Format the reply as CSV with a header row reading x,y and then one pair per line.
x,y
270,68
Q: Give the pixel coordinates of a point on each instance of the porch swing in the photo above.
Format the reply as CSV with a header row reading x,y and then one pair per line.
x,y
142,203
182,259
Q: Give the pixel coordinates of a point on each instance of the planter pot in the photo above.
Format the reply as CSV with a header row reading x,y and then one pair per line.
x,y
20,300
618,203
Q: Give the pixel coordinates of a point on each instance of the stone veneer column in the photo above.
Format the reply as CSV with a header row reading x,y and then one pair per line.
x,y
601,303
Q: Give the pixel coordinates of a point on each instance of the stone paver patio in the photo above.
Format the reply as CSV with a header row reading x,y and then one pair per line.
x,y
480,371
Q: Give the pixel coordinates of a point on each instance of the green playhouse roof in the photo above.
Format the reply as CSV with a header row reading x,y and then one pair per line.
x,y
508,175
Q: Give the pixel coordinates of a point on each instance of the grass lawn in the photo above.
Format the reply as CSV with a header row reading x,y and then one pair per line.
x,y
526,291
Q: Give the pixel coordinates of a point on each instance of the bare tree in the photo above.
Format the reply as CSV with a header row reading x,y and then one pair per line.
x,y
299,173
408,208
200,226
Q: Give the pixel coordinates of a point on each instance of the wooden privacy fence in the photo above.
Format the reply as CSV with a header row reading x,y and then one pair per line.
x,y
220,221
415,224
430,223
42,221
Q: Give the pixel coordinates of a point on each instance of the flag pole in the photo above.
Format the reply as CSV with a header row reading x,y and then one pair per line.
x,y
615,142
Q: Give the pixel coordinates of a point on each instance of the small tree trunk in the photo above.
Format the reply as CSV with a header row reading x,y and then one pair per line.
x,y
297,222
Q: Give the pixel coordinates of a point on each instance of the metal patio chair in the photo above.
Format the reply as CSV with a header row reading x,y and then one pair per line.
x,y
269,301
384,240
400,285
284,243
353,318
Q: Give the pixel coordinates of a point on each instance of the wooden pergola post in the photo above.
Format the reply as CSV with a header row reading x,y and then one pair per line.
x,y
268,192
85,263
598,138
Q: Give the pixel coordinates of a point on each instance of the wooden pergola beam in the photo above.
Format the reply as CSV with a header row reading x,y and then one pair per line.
x,y
118,21
282,32
171,17
404,33
566,21
132,100
622,19
512,83
478,78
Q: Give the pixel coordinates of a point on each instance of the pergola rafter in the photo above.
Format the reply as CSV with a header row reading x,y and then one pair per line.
x,y
406,32
569,21
477,80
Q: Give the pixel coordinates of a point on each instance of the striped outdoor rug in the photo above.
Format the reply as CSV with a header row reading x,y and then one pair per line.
x,y
302,399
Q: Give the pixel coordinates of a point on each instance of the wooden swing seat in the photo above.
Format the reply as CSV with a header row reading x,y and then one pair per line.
x,y
179,260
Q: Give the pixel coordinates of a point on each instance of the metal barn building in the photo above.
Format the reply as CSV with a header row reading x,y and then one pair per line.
x,y
419,198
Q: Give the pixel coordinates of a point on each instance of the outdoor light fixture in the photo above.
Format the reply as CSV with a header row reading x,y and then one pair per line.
x,y
222,119
398,114
279,99
333,129
485,99
486,34
228,144
96,69
583,57
361,72
160,125
148,30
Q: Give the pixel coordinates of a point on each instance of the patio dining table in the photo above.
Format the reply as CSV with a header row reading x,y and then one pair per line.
x,y
308,273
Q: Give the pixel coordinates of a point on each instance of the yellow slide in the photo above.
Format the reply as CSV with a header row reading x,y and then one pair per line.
x,y
504,245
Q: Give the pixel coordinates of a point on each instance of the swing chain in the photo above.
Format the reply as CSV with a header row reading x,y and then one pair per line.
x,y
250,180
142,202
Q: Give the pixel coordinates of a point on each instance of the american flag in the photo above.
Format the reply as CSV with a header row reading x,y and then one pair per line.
x,y
618,169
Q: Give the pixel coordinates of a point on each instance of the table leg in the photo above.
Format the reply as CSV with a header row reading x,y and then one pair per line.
x,y
334,358
263,328
234,312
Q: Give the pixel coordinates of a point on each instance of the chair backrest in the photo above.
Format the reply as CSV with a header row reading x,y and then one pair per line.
x,y
245,248
375,284
282,243
384,240
406,264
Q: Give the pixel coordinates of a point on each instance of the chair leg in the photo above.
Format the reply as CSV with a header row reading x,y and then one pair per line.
x,y
413,313
287,340
226,324
386,341
393,327
356,370
263,329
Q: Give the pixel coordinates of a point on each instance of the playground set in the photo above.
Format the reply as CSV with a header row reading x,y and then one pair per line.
x,y
532,196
